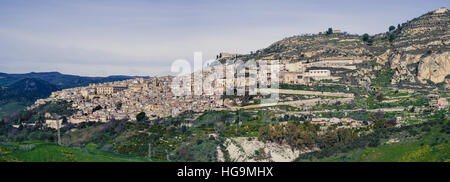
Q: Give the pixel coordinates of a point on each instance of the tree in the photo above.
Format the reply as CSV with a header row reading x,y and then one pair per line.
x,y
264,133
140,116
391,37
291,134
330,31
391,28
365,37
379,96
64,120
391,122
41,119
119,105
378,119
97,108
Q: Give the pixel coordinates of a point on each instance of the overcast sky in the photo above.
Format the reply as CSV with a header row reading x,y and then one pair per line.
x,y
137,37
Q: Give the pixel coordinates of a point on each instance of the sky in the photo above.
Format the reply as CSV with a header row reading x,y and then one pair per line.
x,y
138,37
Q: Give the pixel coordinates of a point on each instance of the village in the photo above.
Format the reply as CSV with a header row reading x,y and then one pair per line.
x,y
326,96
123,100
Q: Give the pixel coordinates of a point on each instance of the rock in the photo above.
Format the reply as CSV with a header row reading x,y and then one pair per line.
x,y
434,67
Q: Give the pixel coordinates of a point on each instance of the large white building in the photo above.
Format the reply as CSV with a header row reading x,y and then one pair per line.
x,y
318,73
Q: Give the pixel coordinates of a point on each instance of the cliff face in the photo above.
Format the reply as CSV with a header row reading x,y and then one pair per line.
x,y
434,67
421,49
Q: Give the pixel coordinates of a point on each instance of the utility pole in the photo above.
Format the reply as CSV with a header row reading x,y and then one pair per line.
x,y
149,155
167,155
59,133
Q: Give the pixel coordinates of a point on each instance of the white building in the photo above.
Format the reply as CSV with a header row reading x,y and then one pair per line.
x,y
52,123
318,73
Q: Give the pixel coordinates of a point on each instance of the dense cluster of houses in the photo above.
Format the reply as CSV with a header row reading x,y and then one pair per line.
x,y
125,99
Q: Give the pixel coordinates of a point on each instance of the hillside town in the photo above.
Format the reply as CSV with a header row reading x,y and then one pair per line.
x,y
329,96
125,99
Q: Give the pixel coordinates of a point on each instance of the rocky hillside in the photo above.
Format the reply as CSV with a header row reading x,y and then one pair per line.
x,y
420,51
316,47
416,52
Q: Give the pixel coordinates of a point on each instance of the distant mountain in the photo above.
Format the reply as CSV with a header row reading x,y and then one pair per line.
x,y
126,77
26,90
62,81
20,90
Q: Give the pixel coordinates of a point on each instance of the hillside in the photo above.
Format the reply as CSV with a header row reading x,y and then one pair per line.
x,y
420,51
342,97
427,141
398,152
23,93
415,51
41,151
27,90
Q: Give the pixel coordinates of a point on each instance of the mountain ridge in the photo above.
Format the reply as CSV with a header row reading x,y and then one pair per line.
x,y
61,80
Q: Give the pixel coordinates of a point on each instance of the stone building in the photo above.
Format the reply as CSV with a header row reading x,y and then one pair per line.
x,y
291,77
104,90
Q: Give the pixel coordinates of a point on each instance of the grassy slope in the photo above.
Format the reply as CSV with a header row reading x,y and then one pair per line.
x,y
45,152
399,152
429,146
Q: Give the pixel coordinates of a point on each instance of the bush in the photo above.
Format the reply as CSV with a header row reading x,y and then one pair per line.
x,y
391,28
141,116
365,37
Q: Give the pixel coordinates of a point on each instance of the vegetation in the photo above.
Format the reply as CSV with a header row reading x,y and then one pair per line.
x,y
426,141
383,76
417,130
40,151
391,28
330,31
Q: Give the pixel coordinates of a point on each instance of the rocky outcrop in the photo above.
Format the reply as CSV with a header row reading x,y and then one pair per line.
x,y
399,63
242,149
420,49
434,67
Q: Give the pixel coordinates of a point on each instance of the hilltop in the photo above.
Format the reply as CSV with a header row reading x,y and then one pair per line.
x,y
416,51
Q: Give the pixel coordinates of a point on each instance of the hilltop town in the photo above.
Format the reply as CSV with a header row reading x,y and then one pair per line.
x,y
338,93
125,99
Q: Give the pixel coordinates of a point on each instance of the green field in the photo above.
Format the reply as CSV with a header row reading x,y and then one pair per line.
x,y
46,152
400,152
